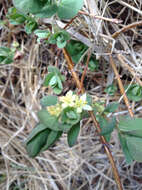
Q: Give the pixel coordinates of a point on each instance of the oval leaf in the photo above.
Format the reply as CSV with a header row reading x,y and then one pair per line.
x,y
26,6
69,8
135,147
131,126
52,138
49,100
73,134
125,149
38,129
34,146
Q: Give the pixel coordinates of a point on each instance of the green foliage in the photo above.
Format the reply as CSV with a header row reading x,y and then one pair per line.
x,y
73,134
52,138
65,9
30,26
135,147
60,38
131,126
132,136
125,149
41,34
48,100
76,50
106,127
63,114
111,107
15,17
54,79
35,144
69,8
111,89
6,55
70,116
134,92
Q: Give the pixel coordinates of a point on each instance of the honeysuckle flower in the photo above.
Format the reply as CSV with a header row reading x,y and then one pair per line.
x,y
55,110
81,104
68,100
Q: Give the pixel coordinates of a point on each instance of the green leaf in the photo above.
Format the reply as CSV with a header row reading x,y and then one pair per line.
x,y
107,129
73,134
26,6
38,129
69,8
111,107
93,64
35,145
70,116
52,138
52,69
53,81
6,55
30,26
76,50
15,17
48,78
52,122
111,89
57,90
49,100
134,92
48,120
60,38
47,11
41,34
135,147
125,149
131,126
103,124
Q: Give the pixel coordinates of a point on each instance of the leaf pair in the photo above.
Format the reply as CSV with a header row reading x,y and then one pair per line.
x,y
40,139
60,38
15,17
54,79
66,9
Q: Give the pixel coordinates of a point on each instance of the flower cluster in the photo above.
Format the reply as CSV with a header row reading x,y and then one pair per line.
x,y
70,100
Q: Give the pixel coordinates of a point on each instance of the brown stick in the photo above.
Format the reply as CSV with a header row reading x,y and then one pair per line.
x,y
125,28
114,20
122,90
86,67
103,140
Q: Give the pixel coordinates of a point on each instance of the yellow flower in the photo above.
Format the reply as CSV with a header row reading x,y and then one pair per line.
x,y
81,104
68,100
55,110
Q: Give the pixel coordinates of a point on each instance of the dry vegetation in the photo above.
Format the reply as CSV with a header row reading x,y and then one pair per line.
x,y
85,166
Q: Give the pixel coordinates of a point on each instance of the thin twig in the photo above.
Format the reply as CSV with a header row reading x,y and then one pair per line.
x,y
121,59
121,87
103,140
125,28
86,67
114,20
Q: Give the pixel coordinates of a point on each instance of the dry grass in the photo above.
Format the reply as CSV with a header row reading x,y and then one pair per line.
x,y
85,166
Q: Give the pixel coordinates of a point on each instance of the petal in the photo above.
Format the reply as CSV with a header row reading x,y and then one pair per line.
x,y
87,107
83,97
69,93
79,110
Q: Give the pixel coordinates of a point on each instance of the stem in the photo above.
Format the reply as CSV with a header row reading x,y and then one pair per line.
x,y
122,90
125,28
103,140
